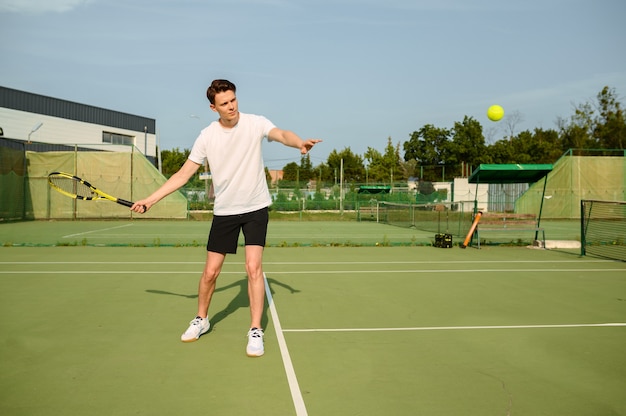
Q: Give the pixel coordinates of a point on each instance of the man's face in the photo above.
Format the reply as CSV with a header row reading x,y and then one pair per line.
x,y
226,106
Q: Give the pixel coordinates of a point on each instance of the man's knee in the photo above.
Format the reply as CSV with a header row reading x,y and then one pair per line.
x,y
210,276
254,270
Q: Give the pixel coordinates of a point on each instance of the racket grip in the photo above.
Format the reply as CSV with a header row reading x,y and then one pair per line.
x,y
125,202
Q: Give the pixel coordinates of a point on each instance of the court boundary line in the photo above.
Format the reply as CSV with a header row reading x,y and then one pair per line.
x,y
97,231
294,387
456,328
299,263
293,272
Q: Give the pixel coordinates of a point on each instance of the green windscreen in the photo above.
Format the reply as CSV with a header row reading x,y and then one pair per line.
x,y
573,179
126,175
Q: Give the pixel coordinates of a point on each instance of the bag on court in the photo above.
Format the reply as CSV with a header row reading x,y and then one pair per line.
x,y
443,240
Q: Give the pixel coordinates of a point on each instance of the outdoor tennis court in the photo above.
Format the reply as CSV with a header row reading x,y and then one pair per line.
x,y
351,328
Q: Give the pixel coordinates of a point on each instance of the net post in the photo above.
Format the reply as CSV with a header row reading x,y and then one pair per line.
x,y
582,227
377,211
543,194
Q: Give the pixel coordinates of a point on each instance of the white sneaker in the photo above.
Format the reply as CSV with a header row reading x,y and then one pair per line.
x,y
197,327
255,343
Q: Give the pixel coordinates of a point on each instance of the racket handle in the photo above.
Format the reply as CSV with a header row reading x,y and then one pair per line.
x,y
124,202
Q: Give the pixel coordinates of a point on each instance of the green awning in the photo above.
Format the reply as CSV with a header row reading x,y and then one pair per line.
x,y
509,173
374,189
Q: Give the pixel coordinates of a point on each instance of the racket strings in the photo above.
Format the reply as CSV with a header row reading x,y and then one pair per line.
x,y
73,186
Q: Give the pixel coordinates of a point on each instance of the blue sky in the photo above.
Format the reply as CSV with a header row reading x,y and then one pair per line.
x,y
351,72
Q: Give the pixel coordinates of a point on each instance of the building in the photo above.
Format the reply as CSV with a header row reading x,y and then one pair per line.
x,y
276,175
32,117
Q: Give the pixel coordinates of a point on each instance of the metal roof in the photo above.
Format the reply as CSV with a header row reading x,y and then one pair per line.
x,y
55,107
509,173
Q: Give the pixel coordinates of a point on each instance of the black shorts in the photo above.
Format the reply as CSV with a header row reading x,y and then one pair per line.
x,y
225,230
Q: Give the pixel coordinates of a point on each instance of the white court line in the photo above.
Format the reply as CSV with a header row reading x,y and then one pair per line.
x,y
436,262
293,272
97,231
454,328
296,394
108,262
298,263
102,236
88,272
340,272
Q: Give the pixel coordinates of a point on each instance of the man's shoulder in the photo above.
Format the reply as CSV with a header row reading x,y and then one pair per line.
x,y
255,121
249,116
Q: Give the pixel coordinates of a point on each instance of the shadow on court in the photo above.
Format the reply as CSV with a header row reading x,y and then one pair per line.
x,y
240,300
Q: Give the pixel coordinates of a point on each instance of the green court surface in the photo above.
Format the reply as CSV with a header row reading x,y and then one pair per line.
x,y
350,330
149,233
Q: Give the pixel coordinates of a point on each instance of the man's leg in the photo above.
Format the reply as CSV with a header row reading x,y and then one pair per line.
x,y
256,284
206,287
256,294
200,324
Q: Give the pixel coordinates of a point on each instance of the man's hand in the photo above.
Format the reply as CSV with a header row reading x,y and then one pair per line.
x,y
140,207
308,145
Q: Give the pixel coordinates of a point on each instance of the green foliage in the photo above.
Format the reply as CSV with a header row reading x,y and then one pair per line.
x,y
609,127
172,160
302,173
290,172
467,145
428,145
353,168
383,167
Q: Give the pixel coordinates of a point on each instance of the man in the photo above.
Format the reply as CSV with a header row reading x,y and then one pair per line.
x,y
232,147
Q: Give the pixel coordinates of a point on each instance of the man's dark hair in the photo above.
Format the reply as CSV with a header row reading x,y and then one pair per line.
x,y
217,86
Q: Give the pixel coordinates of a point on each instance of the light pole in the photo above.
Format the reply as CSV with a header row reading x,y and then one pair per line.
x,y
34,129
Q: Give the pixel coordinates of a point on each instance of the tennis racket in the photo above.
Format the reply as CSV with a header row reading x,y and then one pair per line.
x,y
77,188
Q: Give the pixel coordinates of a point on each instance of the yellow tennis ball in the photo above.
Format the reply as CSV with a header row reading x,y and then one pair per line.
x,y
495,113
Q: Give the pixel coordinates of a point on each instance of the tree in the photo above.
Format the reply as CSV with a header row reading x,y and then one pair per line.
x,y
306,168
609,127
324,173
501,152
409,168
290,172
375,166
353,169
546,146
467,145
427,145
599,126
382,167
575,134
511,121
521,145
172,160
539,146
299,173
391,159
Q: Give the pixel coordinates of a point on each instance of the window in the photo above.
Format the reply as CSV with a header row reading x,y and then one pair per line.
x,y
115,138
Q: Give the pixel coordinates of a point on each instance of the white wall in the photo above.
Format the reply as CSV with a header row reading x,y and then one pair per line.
x,y
465,191
18,124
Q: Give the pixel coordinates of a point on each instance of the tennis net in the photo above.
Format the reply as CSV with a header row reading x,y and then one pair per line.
x,y
446,217
603,228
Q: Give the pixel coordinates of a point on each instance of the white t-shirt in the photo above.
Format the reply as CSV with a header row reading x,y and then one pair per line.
x,y
236,161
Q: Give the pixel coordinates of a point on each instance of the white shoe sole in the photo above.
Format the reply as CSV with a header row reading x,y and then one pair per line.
x,y
196,338
255,354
